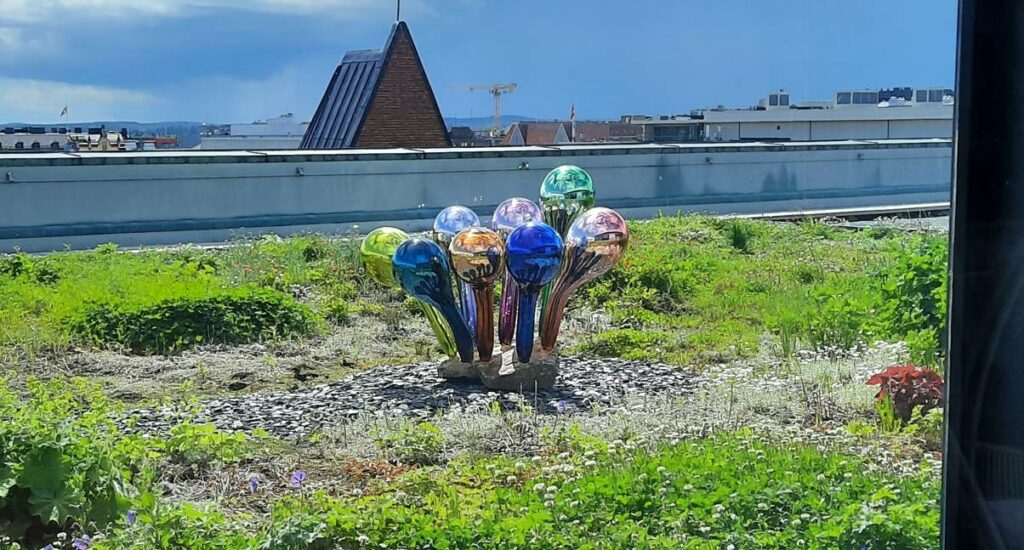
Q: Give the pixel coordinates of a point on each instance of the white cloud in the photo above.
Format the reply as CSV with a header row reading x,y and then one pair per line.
x,y
41,101
57,12
62,11
16,41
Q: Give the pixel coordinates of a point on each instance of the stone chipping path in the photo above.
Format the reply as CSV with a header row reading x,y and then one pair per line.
x,y
416,391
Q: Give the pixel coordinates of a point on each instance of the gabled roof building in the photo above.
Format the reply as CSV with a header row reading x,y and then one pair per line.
x,y
379,99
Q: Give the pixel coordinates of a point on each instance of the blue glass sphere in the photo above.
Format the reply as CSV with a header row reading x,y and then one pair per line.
x,y
533,254
451,220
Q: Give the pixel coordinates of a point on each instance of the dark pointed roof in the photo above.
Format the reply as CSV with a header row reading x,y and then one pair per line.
x,y
346,102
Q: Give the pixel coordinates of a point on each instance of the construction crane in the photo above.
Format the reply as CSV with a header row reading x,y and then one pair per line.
x,y
496,90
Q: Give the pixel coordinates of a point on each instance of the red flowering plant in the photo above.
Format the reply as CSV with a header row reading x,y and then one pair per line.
x,y
908,386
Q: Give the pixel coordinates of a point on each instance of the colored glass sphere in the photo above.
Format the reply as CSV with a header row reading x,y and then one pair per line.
x,y
477,255
375,254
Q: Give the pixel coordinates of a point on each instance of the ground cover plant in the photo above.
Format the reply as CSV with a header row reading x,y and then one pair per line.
x,y
784,325
695,289
708,493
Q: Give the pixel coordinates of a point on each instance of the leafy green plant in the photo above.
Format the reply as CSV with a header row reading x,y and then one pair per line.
x,y
836,321
421,444
913,288
627,344
63,461
234,317
203,445
337,311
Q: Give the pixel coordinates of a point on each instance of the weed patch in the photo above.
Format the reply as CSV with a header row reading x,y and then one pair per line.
x,y
234,317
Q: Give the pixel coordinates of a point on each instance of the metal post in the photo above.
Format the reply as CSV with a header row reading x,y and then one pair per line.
x,y
983,478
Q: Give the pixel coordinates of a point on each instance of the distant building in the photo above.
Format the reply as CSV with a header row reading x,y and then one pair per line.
x,y
558,132
535,133
897,113
79,140
99,139
464,136
379,98
283,132
35,143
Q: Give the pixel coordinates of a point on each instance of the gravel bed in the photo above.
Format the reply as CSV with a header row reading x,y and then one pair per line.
x,y
416,391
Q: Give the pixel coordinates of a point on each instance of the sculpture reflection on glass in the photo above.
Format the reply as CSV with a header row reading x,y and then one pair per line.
x,y
533,254
421,268
566,192
594,244
509,215
447,224
375,253
478,258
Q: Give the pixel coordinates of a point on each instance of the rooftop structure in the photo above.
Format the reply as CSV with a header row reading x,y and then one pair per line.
x,y
285,125
379,98
557,132
283,132
898,113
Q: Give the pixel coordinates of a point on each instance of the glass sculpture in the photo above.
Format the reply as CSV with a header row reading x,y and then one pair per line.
x,y
509,215
447,224
421,268
478,258
533,254
566,192
595,242
375,253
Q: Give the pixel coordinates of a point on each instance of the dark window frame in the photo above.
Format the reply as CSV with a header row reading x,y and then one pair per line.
x,y
983,466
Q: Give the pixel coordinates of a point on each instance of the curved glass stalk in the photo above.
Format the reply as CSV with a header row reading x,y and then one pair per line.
x,y
595,243
566,192
375,254
509,215
533,255
478,258
447,224
421,268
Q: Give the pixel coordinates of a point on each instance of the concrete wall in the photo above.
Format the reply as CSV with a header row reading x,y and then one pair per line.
x,y
48,201
908,129
851,129
830,130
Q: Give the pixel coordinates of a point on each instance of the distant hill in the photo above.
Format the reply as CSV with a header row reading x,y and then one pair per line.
x,y
170,128
483,122
185,128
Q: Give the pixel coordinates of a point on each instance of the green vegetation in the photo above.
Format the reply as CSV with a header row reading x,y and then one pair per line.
x,y
706,493
67,466
166,301
695,289
691,289
62,460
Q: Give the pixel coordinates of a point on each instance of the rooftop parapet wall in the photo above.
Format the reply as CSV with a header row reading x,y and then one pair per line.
x,y
81,199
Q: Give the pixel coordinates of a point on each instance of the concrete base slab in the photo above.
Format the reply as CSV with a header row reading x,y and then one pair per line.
x,y
506,373
456,369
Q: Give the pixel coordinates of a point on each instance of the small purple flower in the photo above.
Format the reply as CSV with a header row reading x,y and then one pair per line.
x,y
297,478
47,547
560,406
130,517
82,543
254,485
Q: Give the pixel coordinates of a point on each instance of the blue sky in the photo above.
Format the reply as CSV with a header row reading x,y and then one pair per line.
x,y
241,60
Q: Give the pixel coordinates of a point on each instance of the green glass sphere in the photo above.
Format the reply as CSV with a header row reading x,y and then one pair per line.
x,y
376,251
567,191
